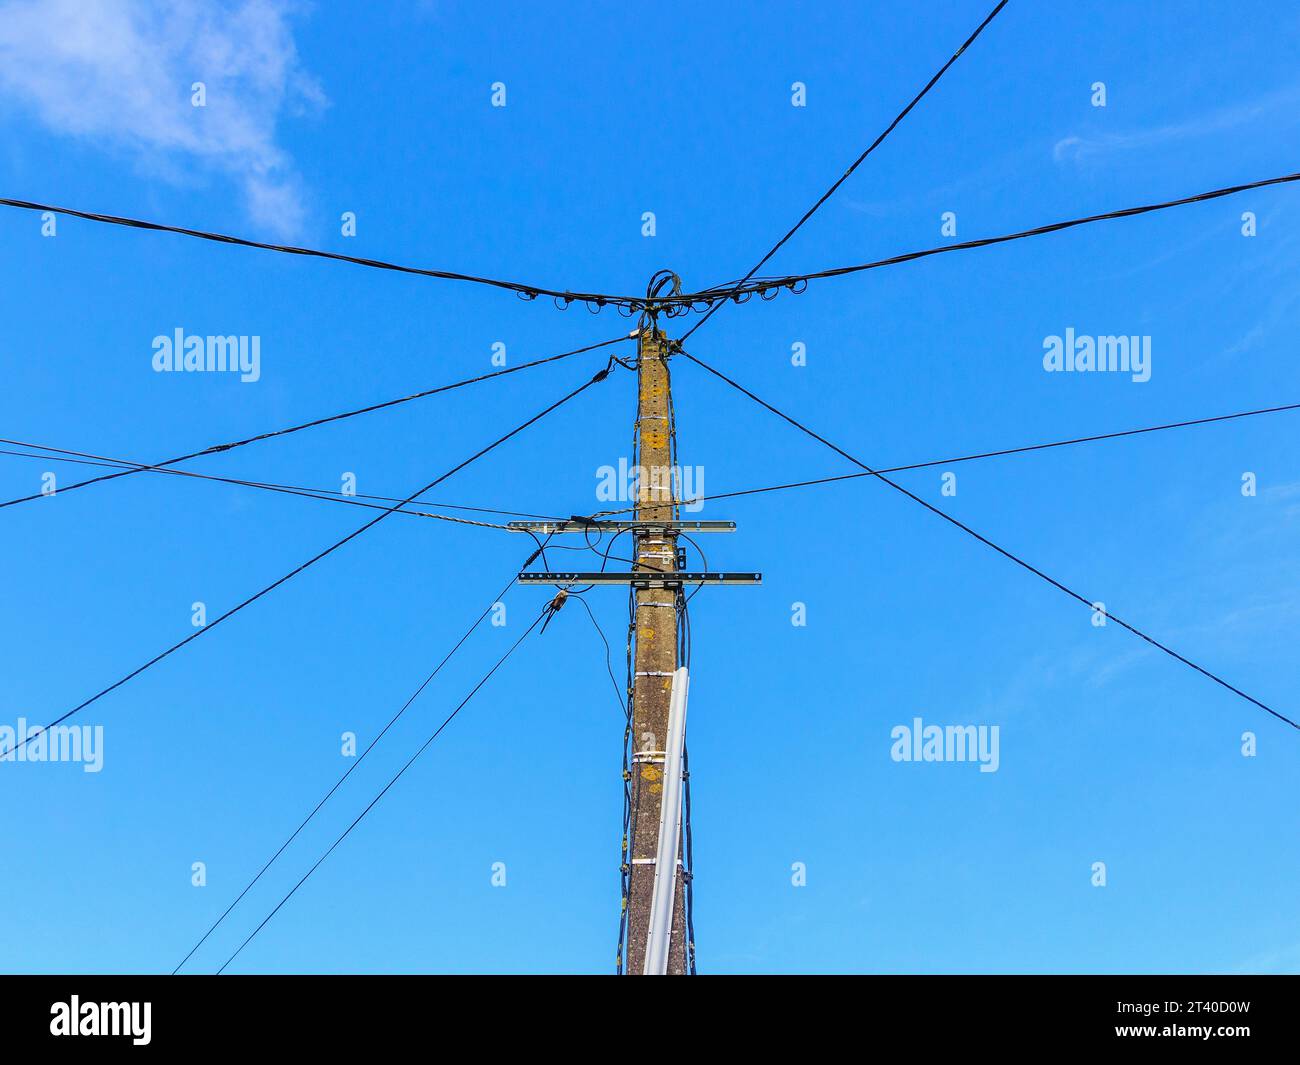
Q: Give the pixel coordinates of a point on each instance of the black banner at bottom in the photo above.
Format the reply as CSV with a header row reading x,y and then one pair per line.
x,y
143,1013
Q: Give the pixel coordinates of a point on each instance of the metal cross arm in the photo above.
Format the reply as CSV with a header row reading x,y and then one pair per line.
x,y
641,578
582,525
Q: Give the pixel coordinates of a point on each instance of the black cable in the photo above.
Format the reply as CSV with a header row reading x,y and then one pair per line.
x,y
330,494
361,758
599,299
989,543
609,662
311,561
216,448
384,731
631,809
327,496
985,455
1055,227
704,565
605,555
384,791
856,163
628,864
711,299
688,873
541,547
688,847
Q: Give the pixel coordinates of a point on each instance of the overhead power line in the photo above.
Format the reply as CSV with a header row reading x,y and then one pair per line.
x,y
971,458
986,541
311,561
770,287
1054,227
710,299
384,791
357,761
857,162
328,496
594,300
524,291
219,448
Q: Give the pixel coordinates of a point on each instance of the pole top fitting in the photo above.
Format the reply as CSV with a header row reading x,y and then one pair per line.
x,y
664,283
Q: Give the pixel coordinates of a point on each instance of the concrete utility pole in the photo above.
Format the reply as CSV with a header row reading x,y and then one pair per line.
x,y
656,648
656,579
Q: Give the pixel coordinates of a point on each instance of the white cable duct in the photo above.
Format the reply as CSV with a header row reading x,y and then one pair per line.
x,y
659,934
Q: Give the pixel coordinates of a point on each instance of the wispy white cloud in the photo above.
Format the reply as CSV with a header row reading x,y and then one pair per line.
x,y
1279,960
1080,149
1266,285
119,73
1288,491
1279,310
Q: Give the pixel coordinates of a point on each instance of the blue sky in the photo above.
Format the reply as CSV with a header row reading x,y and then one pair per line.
x,y
1110,751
